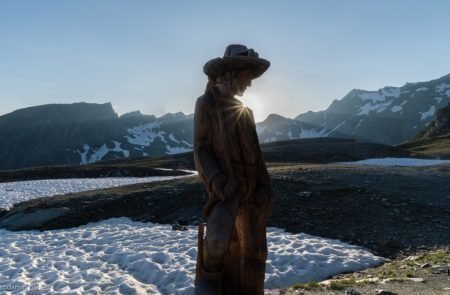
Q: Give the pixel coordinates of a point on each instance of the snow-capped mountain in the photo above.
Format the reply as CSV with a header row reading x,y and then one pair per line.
x,y
86,133
391,115
82,133
145,136
276,128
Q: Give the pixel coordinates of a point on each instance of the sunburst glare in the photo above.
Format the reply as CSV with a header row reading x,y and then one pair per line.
x,y
255,103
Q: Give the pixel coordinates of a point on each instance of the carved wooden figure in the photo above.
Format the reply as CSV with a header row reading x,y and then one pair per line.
x,y
232,256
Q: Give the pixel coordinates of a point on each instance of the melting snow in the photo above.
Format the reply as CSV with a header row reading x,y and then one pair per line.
x,y
395,109
270,139
442,87
368,107
421,89
447,93
260,129
83,155
99,153
438,99
145,134
399,162
312,133
391,91
289,134
372,96
16,192
176,150
428,113
172,138
187,143
121,256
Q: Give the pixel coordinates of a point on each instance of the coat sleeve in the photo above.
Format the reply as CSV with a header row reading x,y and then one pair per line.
x,y
205,161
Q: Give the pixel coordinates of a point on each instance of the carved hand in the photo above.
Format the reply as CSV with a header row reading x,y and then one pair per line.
x,y
222,187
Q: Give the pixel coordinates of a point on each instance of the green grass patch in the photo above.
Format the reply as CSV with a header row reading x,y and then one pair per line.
x,y
438,257
309,286
342,284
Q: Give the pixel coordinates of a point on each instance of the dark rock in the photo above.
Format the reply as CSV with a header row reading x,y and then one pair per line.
x,y
179,227
352,292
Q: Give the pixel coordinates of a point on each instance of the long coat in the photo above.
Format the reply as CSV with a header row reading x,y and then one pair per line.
x,y
247,162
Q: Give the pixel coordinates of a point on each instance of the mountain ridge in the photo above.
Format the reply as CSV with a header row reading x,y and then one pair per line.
x,y
83,133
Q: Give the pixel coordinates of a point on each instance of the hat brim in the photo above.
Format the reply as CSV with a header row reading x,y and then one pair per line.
x,y
221,65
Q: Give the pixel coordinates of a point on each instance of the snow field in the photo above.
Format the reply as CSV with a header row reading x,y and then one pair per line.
x,y
399,162
119,256
20,191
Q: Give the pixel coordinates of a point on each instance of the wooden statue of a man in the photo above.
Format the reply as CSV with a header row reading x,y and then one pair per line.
x,y
232,255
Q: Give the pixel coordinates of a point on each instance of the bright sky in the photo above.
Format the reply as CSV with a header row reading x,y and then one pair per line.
x,y
148,55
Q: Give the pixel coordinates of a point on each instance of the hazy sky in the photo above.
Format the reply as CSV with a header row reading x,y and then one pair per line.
x,y
148,55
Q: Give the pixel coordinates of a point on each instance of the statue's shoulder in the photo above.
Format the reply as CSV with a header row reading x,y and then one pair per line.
x,y
249,113
204,101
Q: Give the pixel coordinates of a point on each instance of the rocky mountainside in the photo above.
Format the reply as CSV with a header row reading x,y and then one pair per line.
x,y
434,140
440,126
84,133
391,115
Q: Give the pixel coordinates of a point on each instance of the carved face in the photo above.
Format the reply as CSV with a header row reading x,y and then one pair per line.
x,y
241,80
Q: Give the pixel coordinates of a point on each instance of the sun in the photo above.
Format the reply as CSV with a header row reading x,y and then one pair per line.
x,y
255,103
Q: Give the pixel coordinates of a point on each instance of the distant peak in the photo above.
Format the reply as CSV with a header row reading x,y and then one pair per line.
x,y
132,114
172,115
273,117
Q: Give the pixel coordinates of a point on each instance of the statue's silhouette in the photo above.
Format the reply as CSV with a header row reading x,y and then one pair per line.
x,y
232,255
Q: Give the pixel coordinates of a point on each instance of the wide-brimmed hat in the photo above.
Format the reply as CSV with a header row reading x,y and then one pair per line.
x,y
236,57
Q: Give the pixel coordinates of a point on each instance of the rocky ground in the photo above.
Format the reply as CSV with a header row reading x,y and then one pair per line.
x,y
395,212
425,273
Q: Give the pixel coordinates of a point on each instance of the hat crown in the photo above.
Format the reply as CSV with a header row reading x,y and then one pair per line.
x,y
236,57
239,50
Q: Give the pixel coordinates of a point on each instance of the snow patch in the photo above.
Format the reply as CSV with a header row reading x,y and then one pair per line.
x,y
15,192
368,107
442,87
83,155
438,99
372,96
260,129
176,150
187,143
289,134
270,139
99,153
145,134
421,89
121,256
395,109
428,113
399,162
447,93
312,133
172,138
391,91
117,148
